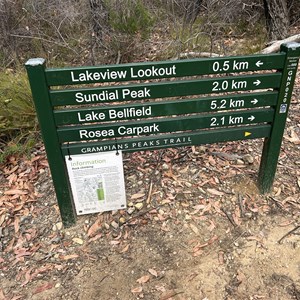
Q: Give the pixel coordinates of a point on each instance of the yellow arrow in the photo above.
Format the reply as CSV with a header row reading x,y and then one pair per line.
x,y
247,133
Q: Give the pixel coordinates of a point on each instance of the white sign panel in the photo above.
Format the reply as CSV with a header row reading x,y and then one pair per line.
x,y
97,182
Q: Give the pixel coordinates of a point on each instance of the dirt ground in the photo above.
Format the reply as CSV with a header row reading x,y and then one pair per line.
x,y
196,228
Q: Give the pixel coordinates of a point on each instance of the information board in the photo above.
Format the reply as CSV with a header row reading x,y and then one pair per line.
x,y
154,105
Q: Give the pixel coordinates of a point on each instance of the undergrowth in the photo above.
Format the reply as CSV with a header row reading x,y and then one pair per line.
x,y
18,121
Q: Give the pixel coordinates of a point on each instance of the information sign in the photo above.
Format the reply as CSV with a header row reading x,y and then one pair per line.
x,y
84,111
97,182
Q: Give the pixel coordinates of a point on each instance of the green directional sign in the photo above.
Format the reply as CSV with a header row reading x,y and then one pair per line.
x,y
170,140
91,132
166,69
163,108
139,92
155,105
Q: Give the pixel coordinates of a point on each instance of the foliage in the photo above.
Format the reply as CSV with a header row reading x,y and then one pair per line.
x,y
131,17
17,115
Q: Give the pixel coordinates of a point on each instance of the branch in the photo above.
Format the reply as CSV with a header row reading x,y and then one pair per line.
x,y
196,54
45,40
275,47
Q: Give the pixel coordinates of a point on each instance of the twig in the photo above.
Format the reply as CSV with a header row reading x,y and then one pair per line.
x,y
229,217
287,234
149,192
43,39
277,203
241,205
141,214
170,295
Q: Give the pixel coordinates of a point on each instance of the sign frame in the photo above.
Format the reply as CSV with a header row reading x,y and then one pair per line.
x,y
54,103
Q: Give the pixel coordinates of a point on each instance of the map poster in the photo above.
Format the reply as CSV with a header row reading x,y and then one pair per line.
x,y
97,182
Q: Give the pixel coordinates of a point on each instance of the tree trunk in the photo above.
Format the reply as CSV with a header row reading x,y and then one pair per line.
x,y
99,15
192,10
277,19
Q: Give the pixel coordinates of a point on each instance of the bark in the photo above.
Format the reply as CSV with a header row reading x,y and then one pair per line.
x,y
275,47
99,15
277,18
192,10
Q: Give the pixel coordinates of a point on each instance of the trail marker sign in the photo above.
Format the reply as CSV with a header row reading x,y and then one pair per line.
x,y
159,106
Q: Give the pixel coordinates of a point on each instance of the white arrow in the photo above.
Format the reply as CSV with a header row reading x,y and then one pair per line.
x,y
257,82
254,101
251,118
259,63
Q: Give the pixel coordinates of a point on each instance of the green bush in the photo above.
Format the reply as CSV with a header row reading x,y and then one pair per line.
x,y
17,114
131,17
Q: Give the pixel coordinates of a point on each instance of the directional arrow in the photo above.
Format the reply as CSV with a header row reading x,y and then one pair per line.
x,y
254,101
257,82
259,63
251,118
247,133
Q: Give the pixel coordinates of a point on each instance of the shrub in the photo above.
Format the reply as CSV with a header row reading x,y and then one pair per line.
x,y
17,114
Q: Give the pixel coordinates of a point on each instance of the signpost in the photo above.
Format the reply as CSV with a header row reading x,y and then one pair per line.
x,y
160,105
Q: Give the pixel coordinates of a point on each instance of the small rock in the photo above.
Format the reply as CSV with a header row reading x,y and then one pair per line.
x,y
57,285
240,162
130,210
132,178
122,220
78,241
202,149
106,226
130,204
248,159
188,184
114,224
58,226
161,212
139,205
165,166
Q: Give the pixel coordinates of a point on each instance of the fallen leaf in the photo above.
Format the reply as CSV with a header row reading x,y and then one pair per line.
x,y
15,192
2,296
137,290
17,224
2,219
94,228
67,257
215,192
115,242
27,277
197,253
42,288
137,196
125,249
17,297
194,228
96,237
143,279
153,272
286,223
78,241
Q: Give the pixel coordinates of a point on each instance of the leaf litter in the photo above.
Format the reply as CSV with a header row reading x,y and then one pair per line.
x,y
194,201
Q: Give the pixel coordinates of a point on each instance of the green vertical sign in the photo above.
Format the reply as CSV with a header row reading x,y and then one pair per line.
x,y
40,93
272,144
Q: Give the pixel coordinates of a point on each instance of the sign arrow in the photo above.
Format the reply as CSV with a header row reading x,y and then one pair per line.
x,y
254,101
257,82
259,63
251,118
247,133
